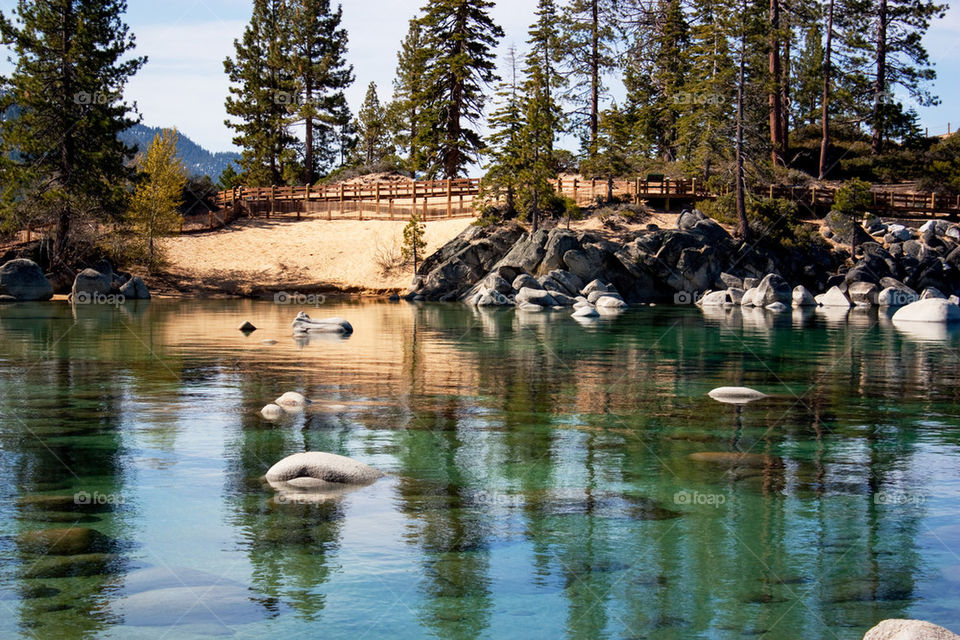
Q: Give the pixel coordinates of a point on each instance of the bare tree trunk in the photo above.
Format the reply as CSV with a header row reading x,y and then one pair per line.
x,y
776,103
785,77
880,88
744,225
825,102
594,76
65,214
310,175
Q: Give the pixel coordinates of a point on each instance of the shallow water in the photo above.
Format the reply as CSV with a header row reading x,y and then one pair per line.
x,y
539,481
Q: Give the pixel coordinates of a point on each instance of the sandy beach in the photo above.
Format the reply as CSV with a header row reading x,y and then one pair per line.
x,y
254,256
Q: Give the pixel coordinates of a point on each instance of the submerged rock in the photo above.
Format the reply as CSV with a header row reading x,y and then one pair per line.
x,y
85,564
586,312
736,459
65,541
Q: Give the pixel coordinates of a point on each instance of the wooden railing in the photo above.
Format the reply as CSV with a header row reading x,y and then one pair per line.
x,y
437,199
380,200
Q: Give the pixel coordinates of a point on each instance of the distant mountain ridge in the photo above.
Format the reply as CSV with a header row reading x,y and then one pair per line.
x,y
199,161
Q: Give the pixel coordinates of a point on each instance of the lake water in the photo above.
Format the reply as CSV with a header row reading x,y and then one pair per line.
x,y
545,479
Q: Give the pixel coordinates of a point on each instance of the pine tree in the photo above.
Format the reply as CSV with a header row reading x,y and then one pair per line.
x,y
153,212
545,53
405,108
656,76
501,180
318,63
707,101
459,38
809,77
262,94
373,135
536,138
899,59
61,154
414,243
589,37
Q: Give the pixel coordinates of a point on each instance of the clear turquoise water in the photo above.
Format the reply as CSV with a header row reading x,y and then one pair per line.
x,y
540,480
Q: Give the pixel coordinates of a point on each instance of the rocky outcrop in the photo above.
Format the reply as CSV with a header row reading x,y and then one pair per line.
x,y
22,280
684,264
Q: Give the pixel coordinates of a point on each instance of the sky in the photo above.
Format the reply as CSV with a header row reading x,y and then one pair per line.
x,y
186,41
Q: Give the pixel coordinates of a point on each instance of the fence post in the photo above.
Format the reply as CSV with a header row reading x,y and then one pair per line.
x,y
449,198
693,187
340,194
414,194
391,208
593,190
933,203
666,189
273,200
378,199
575,195
460,208
425,208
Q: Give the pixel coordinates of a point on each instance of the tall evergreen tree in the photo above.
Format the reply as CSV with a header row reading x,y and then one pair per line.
x,y
319,67
656,77
501,180
536,137
707,115
262,94
809,77
405,108
374,142
62,157
589,28
459,38
544,55
899,59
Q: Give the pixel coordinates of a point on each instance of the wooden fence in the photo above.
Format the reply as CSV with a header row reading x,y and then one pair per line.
x,y
435,199
438,199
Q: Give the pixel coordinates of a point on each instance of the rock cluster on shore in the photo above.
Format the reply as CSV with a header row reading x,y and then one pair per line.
x,y
22,280
697,262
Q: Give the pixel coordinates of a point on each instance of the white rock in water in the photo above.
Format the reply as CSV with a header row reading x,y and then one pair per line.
x,y
317,468
748,297
609,302
895,297
529,306
305,324
268,342
777,307
835,298
802,297
272,411
715,299
292,399
736,395
900,629
586,312
929,310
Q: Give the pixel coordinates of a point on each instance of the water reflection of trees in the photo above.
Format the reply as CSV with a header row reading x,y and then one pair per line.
x,y
505,430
